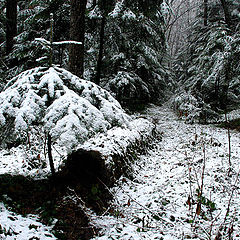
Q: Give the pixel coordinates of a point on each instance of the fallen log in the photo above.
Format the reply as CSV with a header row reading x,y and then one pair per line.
x,y
109,155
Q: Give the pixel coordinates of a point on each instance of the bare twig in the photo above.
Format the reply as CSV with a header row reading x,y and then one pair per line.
x,y
231,196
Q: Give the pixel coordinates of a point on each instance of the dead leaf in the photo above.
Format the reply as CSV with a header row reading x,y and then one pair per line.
x,y
198,211
189,202
124,180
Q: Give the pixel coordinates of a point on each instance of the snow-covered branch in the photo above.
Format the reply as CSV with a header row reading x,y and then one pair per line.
x,y
48,43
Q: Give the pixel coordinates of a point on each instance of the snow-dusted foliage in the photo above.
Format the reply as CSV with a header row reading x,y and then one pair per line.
x,y
209,68
59,103
191,109
33,21
185,104
128,86
213,71
132,63
15,226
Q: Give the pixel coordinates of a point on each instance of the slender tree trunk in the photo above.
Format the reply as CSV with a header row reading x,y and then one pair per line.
x,y
77,31
51,40
205,12
100,54
49,146
11,27
226,12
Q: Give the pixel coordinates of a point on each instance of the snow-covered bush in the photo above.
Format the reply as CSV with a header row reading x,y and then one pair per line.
x,y
127,87
191,109
186,105
58,103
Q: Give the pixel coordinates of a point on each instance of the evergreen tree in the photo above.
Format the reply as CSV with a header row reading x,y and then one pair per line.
x,y
211,70
132,65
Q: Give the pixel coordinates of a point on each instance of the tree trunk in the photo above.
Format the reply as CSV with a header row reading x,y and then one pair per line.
x,y
77,30
11,26
49,146
226,12
100,54
205,12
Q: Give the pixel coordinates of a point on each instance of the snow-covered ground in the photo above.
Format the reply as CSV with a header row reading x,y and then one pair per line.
x,y
14,226
161,201
18,161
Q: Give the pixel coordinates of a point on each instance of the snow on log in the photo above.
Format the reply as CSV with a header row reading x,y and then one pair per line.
x,y
107,156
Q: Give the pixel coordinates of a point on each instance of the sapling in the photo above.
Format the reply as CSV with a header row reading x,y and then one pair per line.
x,y
49,138
229,143
190,197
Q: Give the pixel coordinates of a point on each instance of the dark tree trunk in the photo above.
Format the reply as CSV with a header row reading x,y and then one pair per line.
x,y
77,30
49,146
205,12
226,12
11,27
100,54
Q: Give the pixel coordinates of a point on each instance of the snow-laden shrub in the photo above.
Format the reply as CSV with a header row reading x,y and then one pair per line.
x,y
186,106
191,109
127,87
59,103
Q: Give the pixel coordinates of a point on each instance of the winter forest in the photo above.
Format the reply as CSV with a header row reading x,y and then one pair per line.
x,y
120,119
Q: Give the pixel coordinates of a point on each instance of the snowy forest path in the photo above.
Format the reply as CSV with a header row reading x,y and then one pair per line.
x,y
154,205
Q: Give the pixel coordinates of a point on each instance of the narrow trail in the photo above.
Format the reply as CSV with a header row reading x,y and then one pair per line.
x,y
154,205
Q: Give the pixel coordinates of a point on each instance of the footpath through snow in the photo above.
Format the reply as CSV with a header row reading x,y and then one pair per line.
x,y
161,201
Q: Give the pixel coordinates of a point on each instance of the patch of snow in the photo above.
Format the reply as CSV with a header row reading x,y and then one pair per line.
x,y
128,14
50,79
18,161
15,226
95,13
117,9
67,42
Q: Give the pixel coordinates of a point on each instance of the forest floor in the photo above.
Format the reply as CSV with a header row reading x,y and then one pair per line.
x,y
184,188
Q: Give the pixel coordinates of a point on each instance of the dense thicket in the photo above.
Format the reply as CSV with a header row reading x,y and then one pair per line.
x,y
134,50
208,65
125,48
